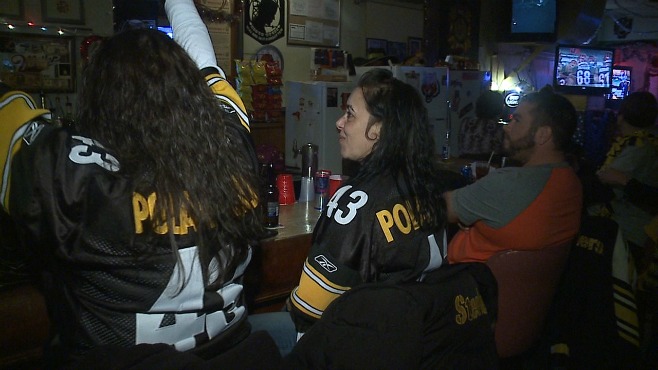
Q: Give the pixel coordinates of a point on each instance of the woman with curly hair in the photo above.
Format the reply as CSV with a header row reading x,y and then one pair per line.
x,y
387,223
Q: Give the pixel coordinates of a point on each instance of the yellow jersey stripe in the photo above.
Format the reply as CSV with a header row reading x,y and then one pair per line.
x,y
315,292
228,96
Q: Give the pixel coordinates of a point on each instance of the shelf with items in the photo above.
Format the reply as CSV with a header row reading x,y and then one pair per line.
x,y
259,85
329,65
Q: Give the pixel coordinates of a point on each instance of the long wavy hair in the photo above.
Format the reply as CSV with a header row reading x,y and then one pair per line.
x,y
406,148
146,101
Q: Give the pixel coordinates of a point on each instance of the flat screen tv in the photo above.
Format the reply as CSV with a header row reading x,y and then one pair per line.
x,y
583,70
621,82
532,20
167,29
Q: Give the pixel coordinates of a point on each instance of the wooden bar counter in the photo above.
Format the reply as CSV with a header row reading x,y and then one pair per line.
x,y
277,262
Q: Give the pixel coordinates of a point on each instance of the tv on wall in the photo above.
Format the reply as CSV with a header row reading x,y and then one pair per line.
x,y
584,70
533,21
621,82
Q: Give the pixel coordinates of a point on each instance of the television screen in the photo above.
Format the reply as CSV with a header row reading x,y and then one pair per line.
x,y
167,29
583,70
621,82
533,20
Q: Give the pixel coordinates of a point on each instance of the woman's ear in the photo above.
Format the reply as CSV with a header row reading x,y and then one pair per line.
x,y
373,133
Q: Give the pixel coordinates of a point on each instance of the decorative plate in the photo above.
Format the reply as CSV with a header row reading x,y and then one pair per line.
x,y
272,51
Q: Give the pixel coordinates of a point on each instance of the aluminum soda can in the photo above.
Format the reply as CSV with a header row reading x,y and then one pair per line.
x,y
466,171
321,183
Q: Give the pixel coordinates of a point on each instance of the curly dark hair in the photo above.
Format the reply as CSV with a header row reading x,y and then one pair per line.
x,y
406,148
146,101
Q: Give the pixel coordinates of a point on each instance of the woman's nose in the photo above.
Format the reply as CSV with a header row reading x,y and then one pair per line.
x,y
340,122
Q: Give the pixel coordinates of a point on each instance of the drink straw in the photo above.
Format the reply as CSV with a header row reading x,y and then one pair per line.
x,y
490,158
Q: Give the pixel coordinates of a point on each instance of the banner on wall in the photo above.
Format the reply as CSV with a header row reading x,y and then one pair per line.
x,y
265,20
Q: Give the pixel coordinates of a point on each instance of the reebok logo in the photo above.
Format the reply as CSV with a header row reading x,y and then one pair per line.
x,y
324,262
32,132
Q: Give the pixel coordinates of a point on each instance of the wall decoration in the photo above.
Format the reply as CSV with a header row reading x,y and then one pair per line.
x,y
265,20
12,9
397,50
376,46
222,14
314,23
88,46
63,11
414,45
451,28
36,63
222,17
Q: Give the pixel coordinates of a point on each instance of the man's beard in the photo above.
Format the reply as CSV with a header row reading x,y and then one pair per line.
x,y
519,149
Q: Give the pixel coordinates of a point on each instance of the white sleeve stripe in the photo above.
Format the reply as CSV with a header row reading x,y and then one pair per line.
x,y
227,101
306,306
436,257
321,283
18,135
213,80
28,101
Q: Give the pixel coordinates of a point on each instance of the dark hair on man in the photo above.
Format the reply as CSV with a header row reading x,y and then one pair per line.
x,y
639,109
145,100
489,105
406,148
558,113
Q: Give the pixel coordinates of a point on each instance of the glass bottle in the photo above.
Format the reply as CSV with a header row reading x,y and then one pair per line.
x,y
445,150
270,197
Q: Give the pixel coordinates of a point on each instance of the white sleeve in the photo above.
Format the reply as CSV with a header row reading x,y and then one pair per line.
x,y
191,33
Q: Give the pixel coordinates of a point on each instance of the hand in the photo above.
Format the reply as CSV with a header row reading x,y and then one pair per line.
x,y
613,177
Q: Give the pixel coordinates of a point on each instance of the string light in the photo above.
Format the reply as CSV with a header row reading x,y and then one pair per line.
x,y
31,27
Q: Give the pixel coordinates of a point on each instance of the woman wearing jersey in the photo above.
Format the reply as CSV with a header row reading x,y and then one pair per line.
x,y
387,222
140,218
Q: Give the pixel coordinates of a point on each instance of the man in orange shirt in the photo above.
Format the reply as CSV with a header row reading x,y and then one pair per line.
x,y
531,207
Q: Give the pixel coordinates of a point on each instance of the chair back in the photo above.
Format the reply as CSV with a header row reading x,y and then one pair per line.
x,y
527,282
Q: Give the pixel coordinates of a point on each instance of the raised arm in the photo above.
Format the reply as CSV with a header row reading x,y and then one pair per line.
x,y
191,33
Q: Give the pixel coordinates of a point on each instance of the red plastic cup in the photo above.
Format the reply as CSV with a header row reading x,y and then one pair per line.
x,y
480,169
335,182
286,189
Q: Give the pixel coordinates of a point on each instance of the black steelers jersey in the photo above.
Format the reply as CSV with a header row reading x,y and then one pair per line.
x,y
109,274
365,234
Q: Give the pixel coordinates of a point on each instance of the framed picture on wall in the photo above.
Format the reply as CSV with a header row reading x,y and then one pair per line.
x,y
12,9
376,46
397,50
35,63
414,45
63,11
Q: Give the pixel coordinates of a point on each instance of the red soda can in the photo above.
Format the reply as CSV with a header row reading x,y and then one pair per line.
x,y
321,183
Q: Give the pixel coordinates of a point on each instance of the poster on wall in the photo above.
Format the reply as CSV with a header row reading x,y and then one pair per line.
x,y
314,23
265,20
37,63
